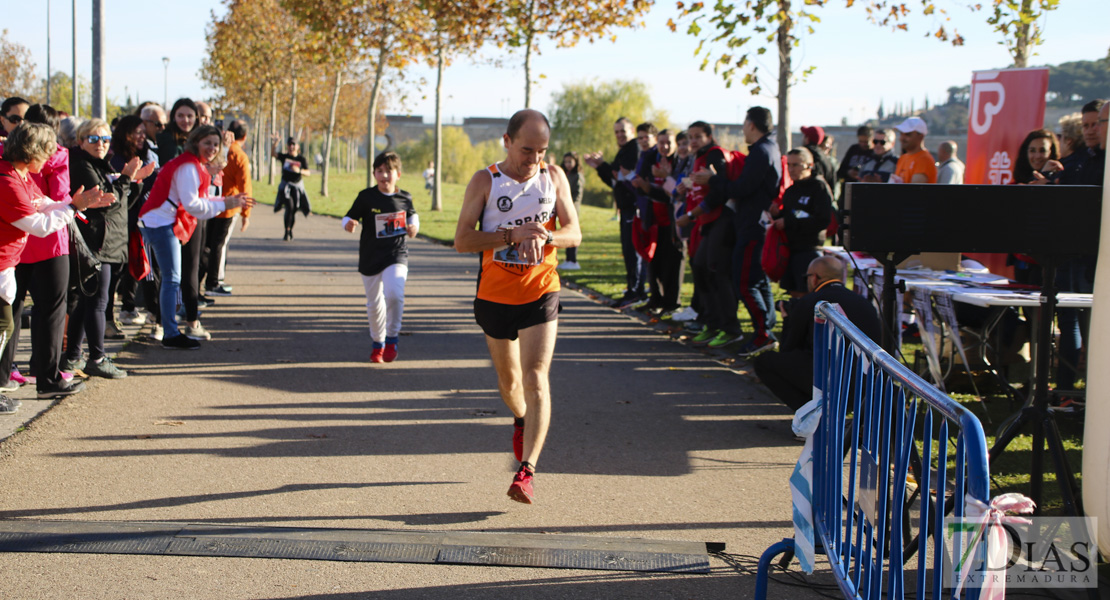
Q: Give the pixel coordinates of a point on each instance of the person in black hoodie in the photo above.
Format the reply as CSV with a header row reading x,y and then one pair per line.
x,y
752,193
804,216
617,175
789,372
105,232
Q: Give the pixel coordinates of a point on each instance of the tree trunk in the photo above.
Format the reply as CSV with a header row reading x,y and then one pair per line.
x,y
1021,45
256,147
273,133
786,44
528,56
330,133
293,109
437,200
372,114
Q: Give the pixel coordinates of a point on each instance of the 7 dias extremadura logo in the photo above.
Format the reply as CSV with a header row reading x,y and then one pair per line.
x,y
1020,552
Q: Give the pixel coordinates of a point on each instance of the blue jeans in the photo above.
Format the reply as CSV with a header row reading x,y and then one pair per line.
x,y
1071,277
167,252
635,268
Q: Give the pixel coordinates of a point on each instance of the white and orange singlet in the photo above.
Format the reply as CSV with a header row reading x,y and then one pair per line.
x,y
504,277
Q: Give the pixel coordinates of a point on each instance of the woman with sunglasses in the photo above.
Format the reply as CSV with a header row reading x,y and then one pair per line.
x,y
169,217
11,114
105,232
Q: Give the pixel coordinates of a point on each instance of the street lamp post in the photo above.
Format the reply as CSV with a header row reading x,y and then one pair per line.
x,y
165,82
48,51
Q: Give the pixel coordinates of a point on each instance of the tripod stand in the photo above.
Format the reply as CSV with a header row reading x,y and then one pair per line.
x,y
1037,414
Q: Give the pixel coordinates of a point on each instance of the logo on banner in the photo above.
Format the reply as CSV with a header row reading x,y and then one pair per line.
x,y
1001,169
982,110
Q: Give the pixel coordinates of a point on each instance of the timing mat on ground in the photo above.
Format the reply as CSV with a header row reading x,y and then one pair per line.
x,y
355,545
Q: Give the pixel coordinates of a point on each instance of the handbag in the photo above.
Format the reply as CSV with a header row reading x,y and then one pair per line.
x,y
776,254
83,264
138,263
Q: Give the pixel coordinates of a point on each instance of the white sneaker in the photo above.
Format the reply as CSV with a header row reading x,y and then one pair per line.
x,y
686,314
198,332
156,332
132,317
568,265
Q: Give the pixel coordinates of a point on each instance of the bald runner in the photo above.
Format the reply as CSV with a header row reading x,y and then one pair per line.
x,y
509,215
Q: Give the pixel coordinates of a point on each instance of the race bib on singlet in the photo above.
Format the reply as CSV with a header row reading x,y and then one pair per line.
x,y
388,225
509,256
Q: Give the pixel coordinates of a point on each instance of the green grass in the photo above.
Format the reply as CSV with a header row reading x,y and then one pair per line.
x,y
600,252
1010,471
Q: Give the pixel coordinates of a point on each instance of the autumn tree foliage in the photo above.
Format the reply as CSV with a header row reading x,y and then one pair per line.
x,y
732,35
370,36
254,48
1017,21
17,69
566,22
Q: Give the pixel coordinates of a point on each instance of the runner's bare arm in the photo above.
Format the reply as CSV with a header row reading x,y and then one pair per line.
x,y
468,238
568,235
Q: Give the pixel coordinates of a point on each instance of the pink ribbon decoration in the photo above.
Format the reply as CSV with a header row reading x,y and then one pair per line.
x,y
1002,509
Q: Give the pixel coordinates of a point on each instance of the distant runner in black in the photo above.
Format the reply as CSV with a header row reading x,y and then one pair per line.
x,y
291,194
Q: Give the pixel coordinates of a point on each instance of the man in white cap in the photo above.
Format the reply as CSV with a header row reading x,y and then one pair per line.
x,y
915,165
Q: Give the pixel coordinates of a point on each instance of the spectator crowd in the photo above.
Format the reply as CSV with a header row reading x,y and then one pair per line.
x,y
129,222
106,224
743,220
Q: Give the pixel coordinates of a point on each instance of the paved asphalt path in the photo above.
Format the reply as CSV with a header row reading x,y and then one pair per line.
x,y
281,420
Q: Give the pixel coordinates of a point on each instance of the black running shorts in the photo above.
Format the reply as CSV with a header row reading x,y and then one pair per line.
x,y
504,321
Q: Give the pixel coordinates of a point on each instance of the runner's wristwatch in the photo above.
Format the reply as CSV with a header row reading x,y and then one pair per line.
x,y
550,237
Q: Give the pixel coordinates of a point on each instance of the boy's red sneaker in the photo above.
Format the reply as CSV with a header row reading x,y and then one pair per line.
x,y
377,355
390,353
521,489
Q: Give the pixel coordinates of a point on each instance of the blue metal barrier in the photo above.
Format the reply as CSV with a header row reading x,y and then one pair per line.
x,y
884,481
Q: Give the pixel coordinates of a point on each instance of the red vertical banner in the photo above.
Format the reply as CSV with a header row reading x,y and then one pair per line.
x,y
1005,106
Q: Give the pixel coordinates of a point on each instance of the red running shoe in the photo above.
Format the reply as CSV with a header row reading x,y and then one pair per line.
x,y
376,355
521,489
518,441
390,354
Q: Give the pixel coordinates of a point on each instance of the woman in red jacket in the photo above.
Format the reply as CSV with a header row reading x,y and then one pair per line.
x,y
25,210
169,217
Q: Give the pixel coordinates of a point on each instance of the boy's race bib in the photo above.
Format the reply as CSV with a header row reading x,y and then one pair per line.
x,y
390,224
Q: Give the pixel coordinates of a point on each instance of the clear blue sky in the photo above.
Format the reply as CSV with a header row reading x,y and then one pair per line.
x,y
857,63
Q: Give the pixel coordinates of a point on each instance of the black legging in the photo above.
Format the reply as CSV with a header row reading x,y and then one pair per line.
x,y
666,269
217,231
87,321
47,281
190,272
6,323
290,218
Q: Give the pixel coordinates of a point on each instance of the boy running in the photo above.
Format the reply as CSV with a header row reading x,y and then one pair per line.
x,y
387,215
